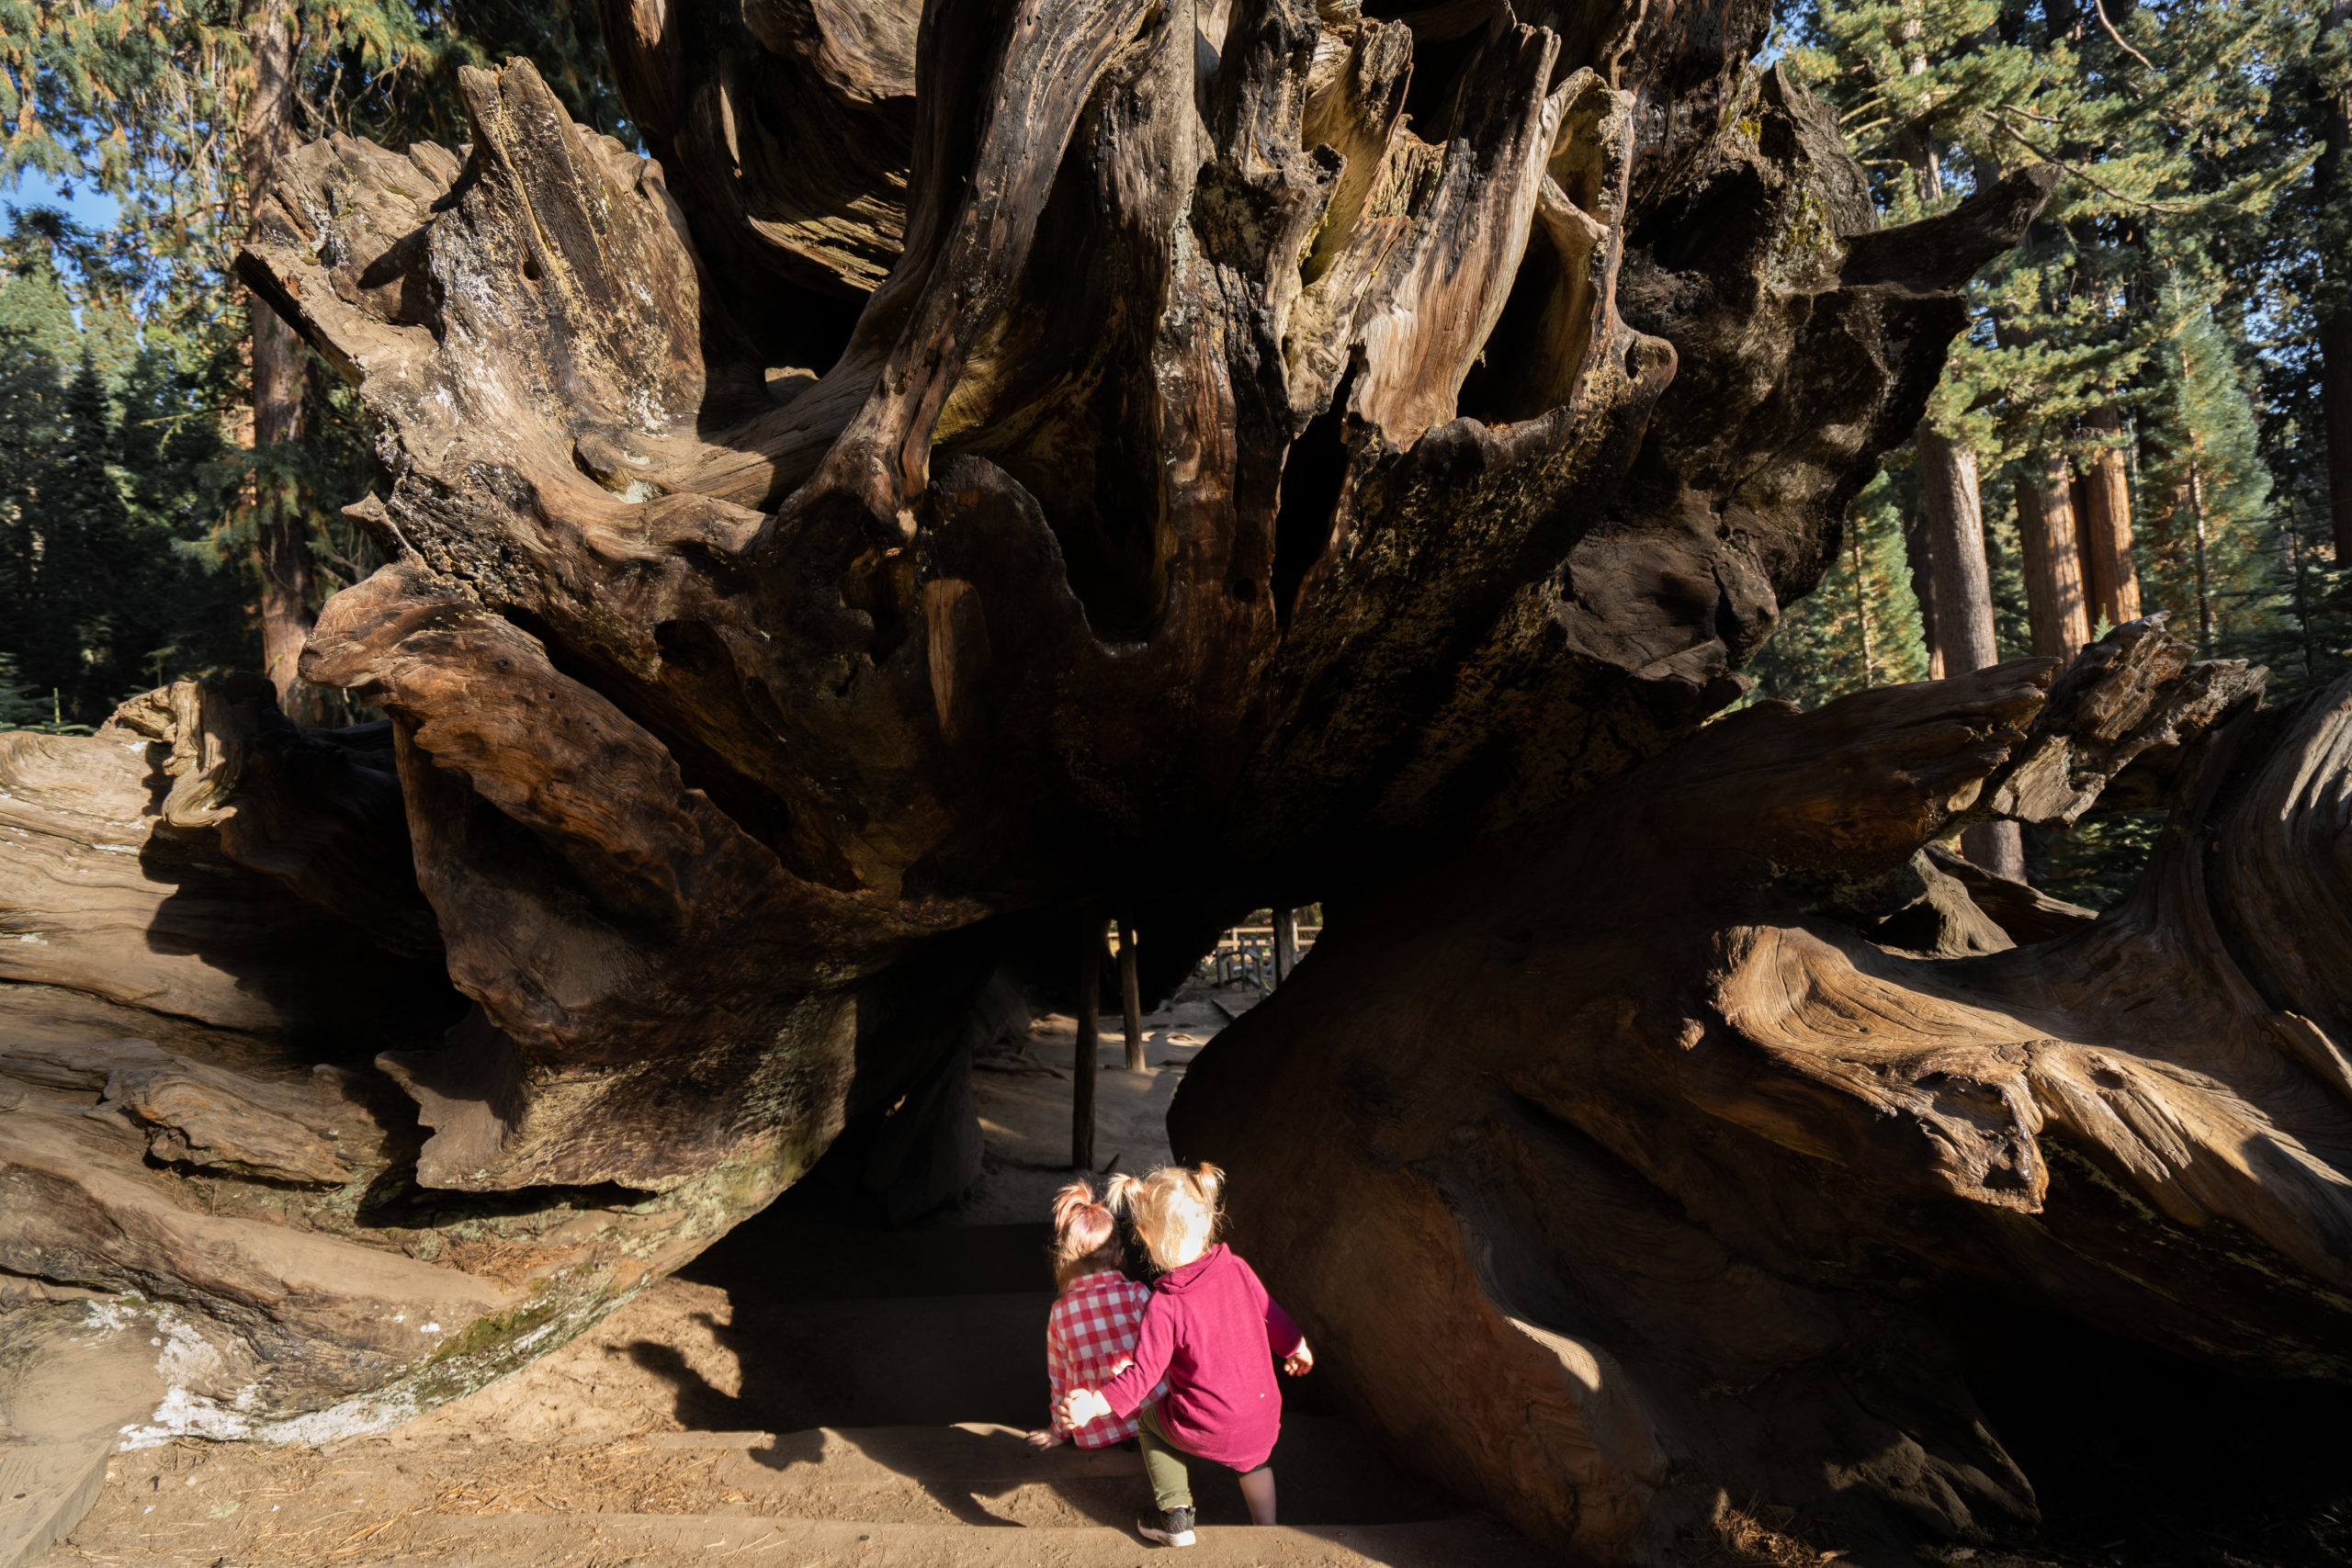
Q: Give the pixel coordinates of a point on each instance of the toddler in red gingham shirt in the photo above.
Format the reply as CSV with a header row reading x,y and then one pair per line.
x,y
1091,1333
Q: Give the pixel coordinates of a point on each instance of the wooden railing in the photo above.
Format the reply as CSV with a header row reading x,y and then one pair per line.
x,y
1250,953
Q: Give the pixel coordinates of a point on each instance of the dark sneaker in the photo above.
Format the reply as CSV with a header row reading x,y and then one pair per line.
x,y
1175,1527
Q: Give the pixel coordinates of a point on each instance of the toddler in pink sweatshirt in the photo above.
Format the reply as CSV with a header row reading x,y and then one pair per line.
x,y
1213,1333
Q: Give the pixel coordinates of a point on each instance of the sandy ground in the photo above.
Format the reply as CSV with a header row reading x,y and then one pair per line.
x,y
813,1389
1026,1102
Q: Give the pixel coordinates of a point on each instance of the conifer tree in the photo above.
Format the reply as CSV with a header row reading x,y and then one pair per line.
x,y
113,572
2203,466
2155,114
183,111
2329,92
1862,627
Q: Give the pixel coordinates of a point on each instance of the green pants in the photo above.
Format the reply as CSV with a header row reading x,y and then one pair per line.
x,y
1163,1461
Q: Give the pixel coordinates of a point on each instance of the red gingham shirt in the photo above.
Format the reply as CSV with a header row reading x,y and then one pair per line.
x,y
1090,1332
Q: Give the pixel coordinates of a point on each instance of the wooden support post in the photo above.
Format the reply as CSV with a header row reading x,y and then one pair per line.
x,y
1131,994
1090,1006
1285,944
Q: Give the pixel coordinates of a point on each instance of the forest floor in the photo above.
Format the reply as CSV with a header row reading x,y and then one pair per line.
x,y
817,1389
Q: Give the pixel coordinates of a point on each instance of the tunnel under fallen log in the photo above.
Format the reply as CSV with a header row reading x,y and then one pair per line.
x,y
994,465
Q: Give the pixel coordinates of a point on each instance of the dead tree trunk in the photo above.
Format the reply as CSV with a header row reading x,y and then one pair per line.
x,y
1001,461
1630,1214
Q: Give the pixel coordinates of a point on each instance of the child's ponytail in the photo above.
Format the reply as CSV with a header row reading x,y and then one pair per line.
x,y
1208,1180
1086,1233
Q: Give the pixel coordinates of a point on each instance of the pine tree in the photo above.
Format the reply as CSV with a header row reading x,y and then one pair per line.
x,y
92,575
1941,98
115,573
2210,517
35,632
183,111
1860,627
2164,120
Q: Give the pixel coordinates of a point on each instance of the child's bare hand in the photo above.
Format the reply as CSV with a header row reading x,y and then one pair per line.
x,y
1299,1362
1081,1405
1045,1438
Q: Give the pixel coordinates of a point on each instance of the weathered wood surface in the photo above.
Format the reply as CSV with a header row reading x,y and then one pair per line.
x,y
209,933
201,857
1217,463
1000,461
1668,1214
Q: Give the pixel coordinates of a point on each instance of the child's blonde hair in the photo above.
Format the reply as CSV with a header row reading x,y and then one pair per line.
x,y
1175,1211
1086,1235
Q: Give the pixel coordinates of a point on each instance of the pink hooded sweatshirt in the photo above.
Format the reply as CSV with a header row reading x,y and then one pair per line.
x,y
1213,1331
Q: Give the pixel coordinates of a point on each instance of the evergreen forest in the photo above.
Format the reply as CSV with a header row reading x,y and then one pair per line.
x,y
2137,421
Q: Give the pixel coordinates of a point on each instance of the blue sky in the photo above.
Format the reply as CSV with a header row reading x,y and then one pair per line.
x,y
85,205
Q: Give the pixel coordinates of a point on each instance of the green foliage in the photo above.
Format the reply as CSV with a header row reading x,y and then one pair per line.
x,y
109,488
127,509
2167,174
2206,523
2096,865
2173,280
20,708
147,98
1860,627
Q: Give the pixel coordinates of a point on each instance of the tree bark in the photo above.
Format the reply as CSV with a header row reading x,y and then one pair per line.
x,y
1961,631
281,523
2053,562
1962,581
2105,527
1042,455
228,934
1679,1134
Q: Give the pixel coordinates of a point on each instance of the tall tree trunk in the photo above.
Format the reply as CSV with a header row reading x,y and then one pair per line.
x,y
1963,590
1960,633
2104,527
1919,554
2333,178
2054,564
282,546
2204,579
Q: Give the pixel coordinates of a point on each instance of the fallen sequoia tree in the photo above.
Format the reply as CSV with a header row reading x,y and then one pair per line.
x,y
1003,459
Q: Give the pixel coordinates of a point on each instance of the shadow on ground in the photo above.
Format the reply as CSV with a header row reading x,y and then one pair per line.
x,y
2149,1460
924,1351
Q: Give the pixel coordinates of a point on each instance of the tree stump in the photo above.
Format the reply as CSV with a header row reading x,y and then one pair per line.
x,y
998,462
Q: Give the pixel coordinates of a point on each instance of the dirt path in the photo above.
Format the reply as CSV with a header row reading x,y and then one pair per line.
x,y
809,1391
807,1394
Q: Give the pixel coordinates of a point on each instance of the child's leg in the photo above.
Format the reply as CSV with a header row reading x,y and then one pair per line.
x,y
1163,1461
1258,1491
